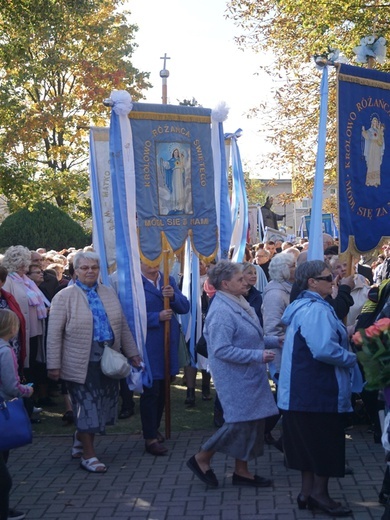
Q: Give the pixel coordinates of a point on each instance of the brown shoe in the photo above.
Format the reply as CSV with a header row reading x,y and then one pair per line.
x,y
156,448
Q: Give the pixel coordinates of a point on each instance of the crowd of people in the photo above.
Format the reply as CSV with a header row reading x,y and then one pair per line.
x,y
276,329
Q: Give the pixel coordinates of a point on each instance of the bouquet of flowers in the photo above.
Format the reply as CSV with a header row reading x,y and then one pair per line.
x,y
373,352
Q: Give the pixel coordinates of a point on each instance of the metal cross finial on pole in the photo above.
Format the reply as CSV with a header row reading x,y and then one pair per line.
x,y
164,74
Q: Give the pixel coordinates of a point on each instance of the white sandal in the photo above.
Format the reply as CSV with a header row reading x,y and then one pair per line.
x,y
77,447
93,465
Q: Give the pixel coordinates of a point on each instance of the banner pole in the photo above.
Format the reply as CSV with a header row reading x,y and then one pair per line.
x,y
167,341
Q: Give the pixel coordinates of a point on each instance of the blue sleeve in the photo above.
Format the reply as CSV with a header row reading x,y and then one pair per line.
x,y
319,328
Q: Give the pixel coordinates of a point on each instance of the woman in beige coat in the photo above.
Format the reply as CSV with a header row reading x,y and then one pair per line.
x,y
83,319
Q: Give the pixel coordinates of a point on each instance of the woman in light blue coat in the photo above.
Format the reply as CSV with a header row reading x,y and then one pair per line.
x,y
238,366
314,391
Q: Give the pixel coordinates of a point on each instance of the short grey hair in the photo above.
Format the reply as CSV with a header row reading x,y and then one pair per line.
x,y
279,267
85,255
223,270
310,269
16,258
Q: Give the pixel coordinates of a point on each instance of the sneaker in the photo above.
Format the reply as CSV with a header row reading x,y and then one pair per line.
x,y
16,515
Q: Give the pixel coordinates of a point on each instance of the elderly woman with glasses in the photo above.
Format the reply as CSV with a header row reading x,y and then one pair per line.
x,y
84,318
237,358
315,389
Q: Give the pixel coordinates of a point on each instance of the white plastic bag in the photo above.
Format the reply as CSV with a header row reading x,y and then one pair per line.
x,y
134,381
114,364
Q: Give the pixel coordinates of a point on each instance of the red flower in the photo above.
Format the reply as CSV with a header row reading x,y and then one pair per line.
x,y
357,338
373,332
383,324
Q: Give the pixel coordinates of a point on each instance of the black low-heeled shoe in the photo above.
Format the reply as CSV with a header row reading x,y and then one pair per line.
x,y
208,477
301,501
338,511
256,481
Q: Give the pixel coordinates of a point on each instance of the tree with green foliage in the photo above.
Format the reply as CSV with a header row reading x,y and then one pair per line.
x,y
58,60
44,226
255,189
293,31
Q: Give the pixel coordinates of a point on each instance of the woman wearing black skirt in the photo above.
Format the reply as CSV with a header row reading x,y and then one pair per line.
x,y
315,389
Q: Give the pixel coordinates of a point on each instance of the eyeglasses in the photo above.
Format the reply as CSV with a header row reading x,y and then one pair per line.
x,y
328,278
89,267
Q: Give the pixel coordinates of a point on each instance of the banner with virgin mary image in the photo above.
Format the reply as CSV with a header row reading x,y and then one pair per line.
x,y
173,162
165,187
363,158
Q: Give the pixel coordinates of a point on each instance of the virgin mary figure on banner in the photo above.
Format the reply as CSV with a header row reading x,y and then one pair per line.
x,y
173,179
374,147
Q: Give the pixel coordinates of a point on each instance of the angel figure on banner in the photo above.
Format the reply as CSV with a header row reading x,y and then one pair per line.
x,y
173,179
374,147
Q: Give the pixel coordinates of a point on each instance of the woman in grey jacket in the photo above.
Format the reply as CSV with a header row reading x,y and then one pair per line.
x,y
276,298
238,366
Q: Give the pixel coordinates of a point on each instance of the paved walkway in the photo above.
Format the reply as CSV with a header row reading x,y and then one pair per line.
x,y
49,485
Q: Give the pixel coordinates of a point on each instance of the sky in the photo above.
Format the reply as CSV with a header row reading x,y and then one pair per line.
x,y
205,63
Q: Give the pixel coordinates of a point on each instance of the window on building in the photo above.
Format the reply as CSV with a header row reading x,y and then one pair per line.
x,y
306,203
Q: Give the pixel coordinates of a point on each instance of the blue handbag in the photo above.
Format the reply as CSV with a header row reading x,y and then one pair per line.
x,y
15,425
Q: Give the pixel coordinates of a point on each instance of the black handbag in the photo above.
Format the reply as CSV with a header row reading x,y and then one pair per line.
x,y
201,347
15,425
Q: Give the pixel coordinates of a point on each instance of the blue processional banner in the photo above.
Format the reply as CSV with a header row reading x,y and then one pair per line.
x,y
174,171
157,177
363,158
328,225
